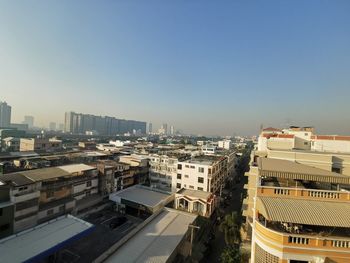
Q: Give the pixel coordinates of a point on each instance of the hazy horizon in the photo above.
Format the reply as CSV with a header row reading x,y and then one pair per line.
x,y
211,68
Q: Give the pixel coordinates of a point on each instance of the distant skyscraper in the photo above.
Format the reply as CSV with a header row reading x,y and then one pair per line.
x,y
61,127
5,114
172,130
79,123
150,127
165,128
52,126
29,120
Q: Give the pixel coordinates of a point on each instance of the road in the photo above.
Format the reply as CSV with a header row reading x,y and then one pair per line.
x,y
218,244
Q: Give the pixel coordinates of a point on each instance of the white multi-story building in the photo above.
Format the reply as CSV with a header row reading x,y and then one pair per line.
x,y
163,170
5,115
225,144
204,173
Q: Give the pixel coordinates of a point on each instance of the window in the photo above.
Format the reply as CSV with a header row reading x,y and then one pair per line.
x,y
22,188
49,212
178,176
200,188
61,208
336,170
187,166
191,186
179,166
186,176
192,166
4,227
50,194
200,180
201,169
178,185
88,183
306,143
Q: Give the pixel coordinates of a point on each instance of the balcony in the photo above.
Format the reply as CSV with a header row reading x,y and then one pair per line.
x,y
302,193
308,239
25,196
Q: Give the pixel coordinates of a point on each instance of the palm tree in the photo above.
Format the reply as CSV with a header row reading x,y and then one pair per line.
x,y
230,227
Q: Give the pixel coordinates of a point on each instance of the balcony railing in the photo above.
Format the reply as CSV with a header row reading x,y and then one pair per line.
x,y
303,193
301,240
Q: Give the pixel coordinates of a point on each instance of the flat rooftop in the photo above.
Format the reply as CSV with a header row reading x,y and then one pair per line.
x,y
204,159
41,241
142,195
157,241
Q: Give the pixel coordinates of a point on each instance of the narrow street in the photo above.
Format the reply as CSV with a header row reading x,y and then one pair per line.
x,y
217,245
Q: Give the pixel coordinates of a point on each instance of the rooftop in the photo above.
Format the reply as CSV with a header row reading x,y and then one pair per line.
x,y
41,241
293,170
205,159
195,193
15,179
157,241
141,195
308,212
51,172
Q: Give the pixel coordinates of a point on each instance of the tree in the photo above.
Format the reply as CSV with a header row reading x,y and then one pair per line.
x,y
230,227
230,255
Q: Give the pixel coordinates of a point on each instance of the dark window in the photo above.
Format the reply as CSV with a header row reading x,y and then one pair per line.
x,y
200,180
179,166
178,176
50,193
201,169
336,170
178,185
4,227
0,211
49,212
88,183
61,208
200,188
306,143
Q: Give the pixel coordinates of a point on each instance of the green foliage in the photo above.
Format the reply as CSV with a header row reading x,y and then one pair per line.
x,y
230,227
230,255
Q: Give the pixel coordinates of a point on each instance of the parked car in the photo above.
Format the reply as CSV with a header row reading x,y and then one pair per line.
x,y
118,221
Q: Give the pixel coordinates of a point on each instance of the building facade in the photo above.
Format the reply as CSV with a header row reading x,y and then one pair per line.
x,y
78,123
5,115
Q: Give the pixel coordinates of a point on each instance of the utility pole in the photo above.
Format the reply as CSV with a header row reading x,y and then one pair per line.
x,y
192,232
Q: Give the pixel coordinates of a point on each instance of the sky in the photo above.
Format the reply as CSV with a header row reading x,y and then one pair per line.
x,y
206,67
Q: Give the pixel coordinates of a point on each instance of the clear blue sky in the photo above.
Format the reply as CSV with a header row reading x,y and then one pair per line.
x,y
210,67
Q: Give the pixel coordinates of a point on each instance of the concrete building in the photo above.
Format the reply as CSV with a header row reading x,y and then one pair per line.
x,y
52,126
225,144
296,213
29,120
163,170
160,238
204,173
10,132
40,144
150,128
5,115
43,194
78,123
195,201
172,130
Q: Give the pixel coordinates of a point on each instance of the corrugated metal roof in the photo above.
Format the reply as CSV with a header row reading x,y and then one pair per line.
x,y
157,240
16,179
294,170
33,243
301,211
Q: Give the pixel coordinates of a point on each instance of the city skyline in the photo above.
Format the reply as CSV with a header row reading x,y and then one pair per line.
x,y
224,71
